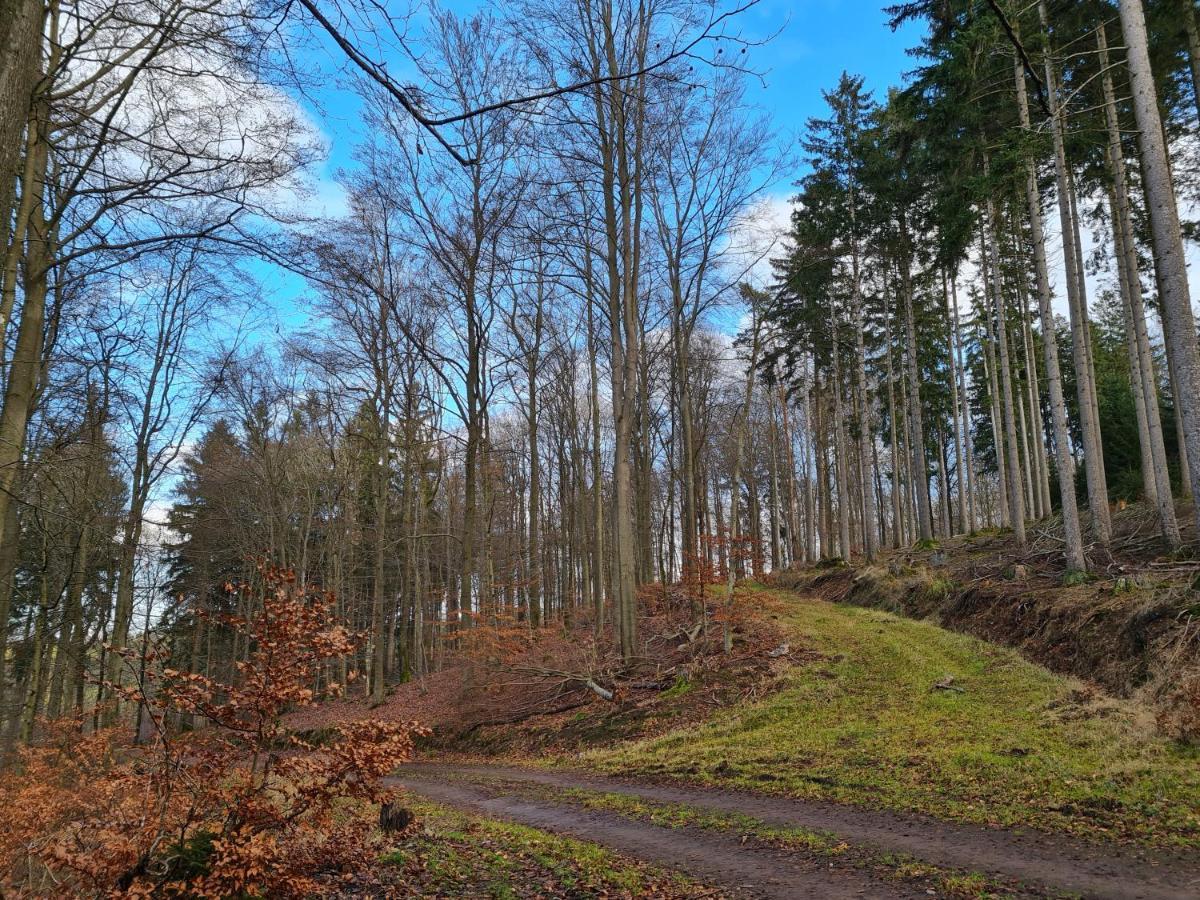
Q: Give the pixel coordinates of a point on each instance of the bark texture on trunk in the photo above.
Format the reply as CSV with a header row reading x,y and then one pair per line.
x,y
1179,323
1063,460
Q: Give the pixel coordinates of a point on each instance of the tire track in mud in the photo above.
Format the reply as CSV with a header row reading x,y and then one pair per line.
x,y
748,871
1047,863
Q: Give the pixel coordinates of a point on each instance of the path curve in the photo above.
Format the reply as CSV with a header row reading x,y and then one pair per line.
x,y
1054,862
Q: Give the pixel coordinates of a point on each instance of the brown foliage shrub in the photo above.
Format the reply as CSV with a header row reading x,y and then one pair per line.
x,y
1179,715
236,806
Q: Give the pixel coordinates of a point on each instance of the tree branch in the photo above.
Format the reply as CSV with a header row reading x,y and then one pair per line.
x,y
376,73
1026,63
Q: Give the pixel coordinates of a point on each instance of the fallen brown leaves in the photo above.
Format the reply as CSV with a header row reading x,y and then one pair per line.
x,y
234,804
509,688
1179,713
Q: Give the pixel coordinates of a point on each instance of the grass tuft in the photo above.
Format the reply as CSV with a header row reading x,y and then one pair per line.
x,y
1075,577
455,854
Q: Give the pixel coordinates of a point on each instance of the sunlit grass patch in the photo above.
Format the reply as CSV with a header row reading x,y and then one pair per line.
x,y
903,714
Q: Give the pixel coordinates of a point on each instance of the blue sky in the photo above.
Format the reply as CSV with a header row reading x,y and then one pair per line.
x,y
815,40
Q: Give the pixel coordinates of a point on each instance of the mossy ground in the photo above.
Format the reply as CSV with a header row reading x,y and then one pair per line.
x,y
455,854
1002,741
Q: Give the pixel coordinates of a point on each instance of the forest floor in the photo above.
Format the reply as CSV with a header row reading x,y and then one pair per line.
x,y
457,853
1131,625
885,711
882,756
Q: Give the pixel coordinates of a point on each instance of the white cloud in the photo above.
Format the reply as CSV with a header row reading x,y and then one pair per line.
x,y
757,235
195,120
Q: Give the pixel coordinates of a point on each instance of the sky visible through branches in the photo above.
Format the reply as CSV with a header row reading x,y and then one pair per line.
x,y
811,43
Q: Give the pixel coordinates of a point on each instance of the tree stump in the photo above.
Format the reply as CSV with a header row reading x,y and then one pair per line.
x,y
393,818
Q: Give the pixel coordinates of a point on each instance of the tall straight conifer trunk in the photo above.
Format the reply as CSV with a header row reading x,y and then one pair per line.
x,y
1179,324
1063,460
1093,453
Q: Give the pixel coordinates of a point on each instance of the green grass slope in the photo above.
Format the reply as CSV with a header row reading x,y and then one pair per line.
x,y
860,718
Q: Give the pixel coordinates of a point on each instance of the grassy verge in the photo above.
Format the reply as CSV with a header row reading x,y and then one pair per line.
x,y
454,854
902,714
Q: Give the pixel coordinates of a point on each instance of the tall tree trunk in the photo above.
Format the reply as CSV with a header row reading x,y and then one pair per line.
x,y
1178,322
893,434
1085,319
991,370
33,690
1093,453
776,512
969,461
954,407
840,461
1142,377
687,448
1187,12
461,612
1016,500
1063,460
645,471
811,470
943,483
916,430
822,466
598,559
9,547
741,418
25,367
754,521
1037,431
789,461
619,138
20,38
1028,460
532,353
380,635
72,649
865,419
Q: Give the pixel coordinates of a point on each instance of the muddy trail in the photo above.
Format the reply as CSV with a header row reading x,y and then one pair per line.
x,y
1021,863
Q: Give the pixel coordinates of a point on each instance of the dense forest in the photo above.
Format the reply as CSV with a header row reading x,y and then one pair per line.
x,y
554,349
511,398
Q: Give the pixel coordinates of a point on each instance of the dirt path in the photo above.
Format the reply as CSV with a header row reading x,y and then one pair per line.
x,y
1051,862
749,870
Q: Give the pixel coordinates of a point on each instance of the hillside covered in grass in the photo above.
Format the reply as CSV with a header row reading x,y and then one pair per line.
x,y
881,710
